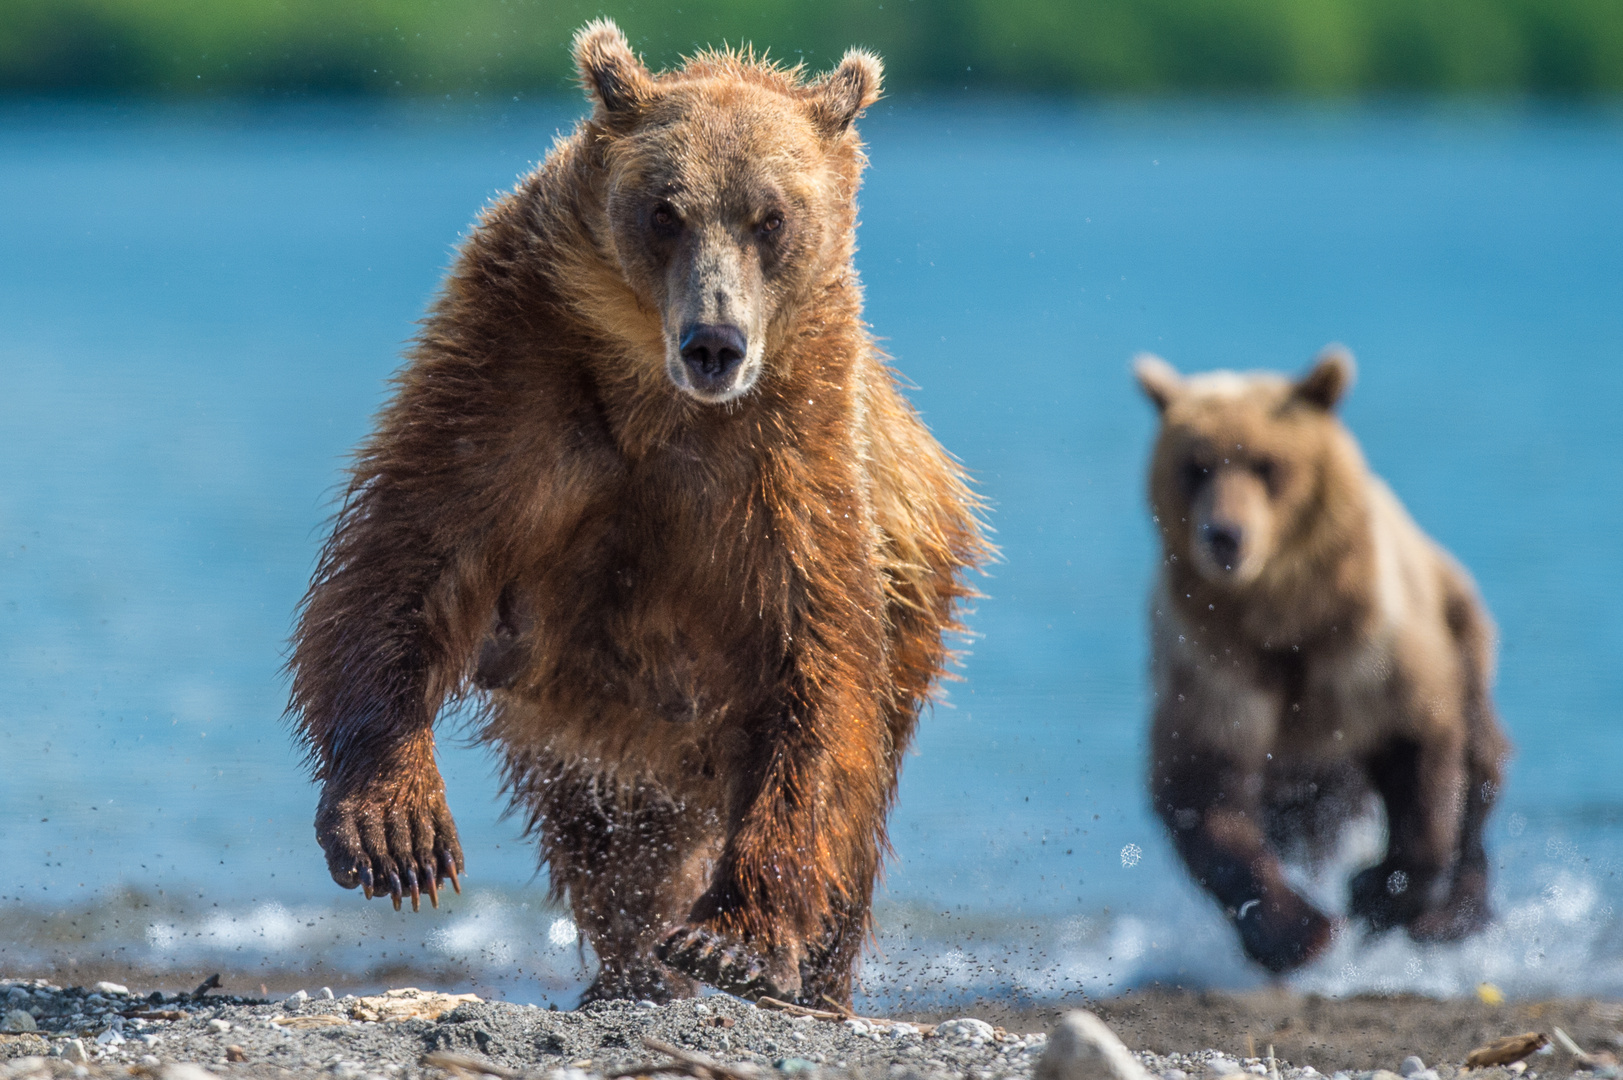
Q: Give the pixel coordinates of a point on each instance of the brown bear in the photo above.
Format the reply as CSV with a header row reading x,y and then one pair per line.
x,y
648,487
1311,647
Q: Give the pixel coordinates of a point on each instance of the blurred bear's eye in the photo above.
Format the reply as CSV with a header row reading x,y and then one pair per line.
x,y
1194,475
770,224
1268,472
664,217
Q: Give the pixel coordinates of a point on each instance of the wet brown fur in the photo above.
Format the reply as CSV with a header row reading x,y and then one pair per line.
x,y
706,631
1345,653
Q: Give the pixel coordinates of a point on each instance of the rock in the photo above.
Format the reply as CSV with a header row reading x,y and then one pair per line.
x,y
296,999
235,1053
408,1003
326,992
74,1050
1222,1066
967,1031
183,1071
111,988
17,1021
1384,1074
111,1037
219,1027
1083,1048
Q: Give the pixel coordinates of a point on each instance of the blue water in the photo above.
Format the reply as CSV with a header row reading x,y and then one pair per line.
x,y
200,306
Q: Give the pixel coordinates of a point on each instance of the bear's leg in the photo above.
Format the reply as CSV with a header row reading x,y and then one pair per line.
x,y
1466,910
829,966
1422,785
1216,826
631,863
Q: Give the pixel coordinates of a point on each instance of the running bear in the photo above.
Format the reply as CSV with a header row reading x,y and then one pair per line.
x,y
648,489
1310,646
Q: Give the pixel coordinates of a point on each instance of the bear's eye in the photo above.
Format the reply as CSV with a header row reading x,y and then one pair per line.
x,y
770,224
664,217
1194,475
1267,471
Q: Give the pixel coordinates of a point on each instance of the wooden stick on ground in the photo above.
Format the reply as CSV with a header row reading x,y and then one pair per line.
x,y
694,1065
845,1014
467,1064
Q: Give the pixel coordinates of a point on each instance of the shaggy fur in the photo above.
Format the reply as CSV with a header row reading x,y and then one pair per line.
x,y
1311,645
706,614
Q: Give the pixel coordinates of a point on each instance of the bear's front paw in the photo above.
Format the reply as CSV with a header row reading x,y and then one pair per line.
x,y
720,961
390,841
1283,932
1385,896
1465,912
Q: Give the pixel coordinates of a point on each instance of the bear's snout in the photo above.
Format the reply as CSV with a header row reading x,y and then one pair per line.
x,y
712,353
1224,542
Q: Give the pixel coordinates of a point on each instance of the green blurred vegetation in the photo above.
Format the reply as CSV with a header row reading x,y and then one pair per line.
x,y
417,47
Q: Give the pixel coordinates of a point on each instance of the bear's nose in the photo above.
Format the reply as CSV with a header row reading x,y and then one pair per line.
x,y
1224,543
712,351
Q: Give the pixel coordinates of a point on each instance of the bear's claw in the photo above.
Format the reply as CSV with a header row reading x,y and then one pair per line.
x,y
387,846
728,965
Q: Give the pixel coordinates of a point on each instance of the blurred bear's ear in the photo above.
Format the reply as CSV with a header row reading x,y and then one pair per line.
x,y
840,96
1159,379
1329,379
610,72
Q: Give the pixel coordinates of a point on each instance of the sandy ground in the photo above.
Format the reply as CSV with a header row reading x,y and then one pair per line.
x,y
1178,1035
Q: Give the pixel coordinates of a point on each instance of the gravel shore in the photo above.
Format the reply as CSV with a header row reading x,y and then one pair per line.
x,y
105,1031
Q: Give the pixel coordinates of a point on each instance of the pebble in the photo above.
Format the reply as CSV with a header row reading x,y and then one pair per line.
x,y
1082,1047
111,988
326,992
219,1027
74,1050
17,1021
296,998
1221,1066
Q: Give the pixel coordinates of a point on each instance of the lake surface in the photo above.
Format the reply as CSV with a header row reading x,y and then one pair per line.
x,y
200,307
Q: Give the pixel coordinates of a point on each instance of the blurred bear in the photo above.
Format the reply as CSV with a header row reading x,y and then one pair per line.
x,y
648,483
1310,645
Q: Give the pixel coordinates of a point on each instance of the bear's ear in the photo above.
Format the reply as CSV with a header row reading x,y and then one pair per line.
x,y
1328,381
1159,379
840,96
610,72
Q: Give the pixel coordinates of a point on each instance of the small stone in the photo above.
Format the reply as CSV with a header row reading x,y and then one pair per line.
x,y
1411,1065
181,1070
1083,1048
1221,1066
149,1059
326,992
111,1037
1174,1074
111,988
647,1004
219,1027
235,1053
74,1050
297,999
17,1021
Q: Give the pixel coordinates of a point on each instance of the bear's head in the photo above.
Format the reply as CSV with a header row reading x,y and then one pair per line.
x,y
727,193
1242,463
